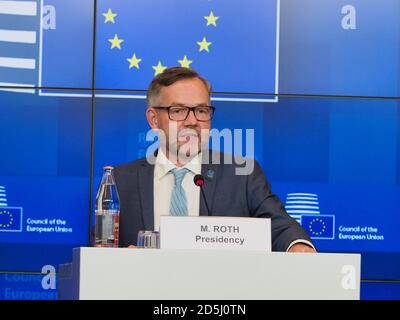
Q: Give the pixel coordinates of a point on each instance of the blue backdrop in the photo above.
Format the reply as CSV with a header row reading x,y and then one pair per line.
x,y
316,80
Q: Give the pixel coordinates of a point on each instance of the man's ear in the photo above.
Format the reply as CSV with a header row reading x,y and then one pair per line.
x,y
151,115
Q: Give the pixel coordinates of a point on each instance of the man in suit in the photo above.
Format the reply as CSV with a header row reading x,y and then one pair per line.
x,y
179,109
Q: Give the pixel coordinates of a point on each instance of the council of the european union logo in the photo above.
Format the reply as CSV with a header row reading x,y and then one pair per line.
x,y
10,219
304,208
319,226
19,44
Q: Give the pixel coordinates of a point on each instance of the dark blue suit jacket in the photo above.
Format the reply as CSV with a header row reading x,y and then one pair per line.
x,y
227,194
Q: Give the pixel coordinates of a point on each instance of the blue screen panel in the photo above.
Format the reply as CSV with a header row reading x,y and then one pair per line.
x,y
137,39
373,290
67,44
338,47
44,177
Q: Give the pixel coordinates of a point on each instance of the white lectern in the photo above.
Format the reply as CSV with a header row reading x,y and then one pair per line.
x,y
118,273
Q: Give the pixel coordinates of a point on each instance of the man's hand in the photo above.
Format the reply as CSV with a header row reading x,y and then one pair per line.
x,y
301,247
132,246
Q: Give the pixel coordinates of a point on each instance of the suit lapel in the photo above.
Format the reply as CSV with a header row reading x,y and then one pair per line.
x,y
146,187
210,173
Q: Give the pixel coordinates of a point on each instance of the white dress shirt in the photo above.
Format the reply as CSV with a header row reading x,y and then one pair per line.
x,y
164,182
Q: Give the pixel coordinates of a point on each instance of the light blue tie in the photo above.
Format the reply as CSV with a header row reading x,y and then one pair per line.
x,y
178,205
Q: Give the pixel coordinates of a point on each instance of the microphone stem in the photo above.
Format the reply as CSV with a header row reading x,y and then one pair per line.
x,y
205,201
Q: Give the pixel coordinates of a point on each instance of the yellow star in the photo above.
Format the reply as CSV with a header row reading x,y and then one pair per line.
x,y
204,44
159,68
185,63
109,16
211,19
134,61
115,42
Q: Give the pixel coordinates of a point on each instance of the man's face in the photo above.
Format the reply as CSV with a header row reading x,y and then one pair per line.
x,y
182,137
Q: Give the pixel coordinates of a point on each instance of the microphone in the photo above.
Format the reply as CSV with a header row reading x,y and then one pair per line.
x,y
199,181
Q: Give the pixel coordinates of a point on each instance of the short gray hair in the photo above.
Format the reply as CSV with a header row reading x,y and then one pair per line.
x,y
169,77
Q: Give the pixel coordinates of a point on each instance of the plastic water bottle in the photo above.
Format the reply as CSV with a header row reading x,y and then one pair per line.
x,y
107,211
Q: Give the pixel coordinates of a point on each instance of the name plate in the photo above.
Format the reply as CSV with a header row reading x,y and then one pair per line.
x,y
218,233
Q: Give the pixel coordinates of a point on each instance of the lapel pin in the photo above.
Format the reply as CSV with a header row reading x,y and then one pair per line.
x,y
210,174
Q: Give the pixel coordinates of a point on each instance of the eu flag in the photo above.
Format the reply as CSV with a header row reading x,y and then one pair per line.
x,y
233,43
319,226
10,219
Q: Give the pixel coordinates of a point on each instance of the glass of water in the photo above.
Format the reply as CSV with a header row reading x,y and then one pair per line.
x,y
148,239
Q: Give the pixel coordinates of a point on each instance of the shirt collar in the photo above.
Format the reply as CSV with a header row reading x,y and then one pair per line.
x,y
163,165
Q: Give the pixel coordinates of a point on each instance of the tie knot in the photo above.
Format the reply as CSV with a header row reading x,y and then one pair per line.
x,y
179,175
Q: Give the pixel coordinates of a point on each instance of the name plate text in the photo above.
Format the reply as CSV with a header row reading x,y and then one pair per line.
x,y
218,233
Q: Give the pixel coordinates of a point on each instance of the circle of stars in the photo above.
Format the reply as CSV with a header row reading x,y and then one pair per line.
x,y
10,221
134,60
317,226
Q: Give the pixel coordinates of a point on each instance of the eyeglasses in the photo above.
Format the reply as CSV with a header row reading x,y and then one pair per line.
x,y
180,113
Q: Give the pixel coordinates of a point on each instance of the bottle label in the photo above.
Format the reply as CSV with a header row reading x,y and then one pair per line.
x,y
107,228
116,231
